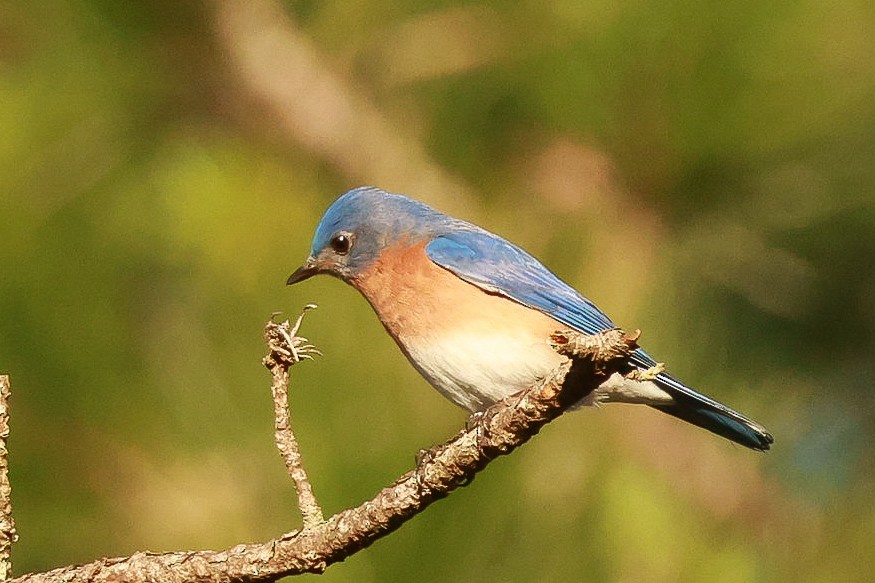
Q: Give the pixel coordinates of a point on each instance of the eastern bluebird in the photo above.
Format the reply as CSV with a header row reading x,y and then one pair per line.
x,y
473,312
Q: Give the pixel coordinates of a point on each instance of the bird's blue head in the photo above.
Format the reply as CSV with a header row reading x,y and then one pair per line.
x,y
359,225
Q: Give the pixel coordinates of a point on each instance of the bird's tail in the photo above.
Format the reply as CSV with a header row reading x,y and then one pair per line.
x,y
707,413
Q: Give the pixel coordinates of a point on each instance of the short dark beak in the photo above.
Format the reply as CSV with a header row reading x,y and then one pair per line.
x,y
306,271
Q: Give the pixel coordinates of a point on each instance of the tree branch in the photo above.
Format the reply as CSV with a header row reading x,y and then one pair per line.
x,y
279,67
7,524
497,431
287,348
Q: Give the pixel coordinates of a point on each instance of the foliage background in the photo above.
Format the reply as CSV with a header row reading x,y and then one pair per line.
x,y
702,170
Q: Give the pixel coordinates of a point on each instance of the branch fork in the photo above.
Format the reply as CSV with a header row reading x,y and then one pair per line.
x,y
497,431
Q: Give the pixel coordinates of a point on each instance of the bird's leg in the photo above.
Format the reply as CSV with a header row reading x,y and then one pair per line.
x,y
473,420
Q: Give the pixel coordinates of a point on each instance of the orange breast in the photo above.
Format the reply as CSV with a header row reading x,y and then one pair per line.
x,y
473,346
413,296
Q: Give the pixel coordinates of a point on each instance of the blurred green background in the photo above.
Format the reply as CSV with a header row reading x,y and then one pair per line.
x,y
702,170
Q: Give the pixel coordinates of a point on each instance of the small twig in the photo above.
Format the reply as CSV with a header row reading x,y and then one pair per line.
x,y
8,535
286,349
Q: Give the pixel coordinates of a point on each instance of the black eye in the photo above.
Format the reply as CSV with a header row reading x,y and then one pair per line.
x,y
341,243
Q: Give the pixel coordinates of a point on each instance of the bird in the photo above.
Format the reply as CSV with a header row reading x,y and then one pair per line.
x,y
473,312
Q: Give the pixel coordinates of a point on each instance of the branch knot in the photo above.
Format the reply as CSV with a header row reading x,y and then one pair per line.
x,y
601,349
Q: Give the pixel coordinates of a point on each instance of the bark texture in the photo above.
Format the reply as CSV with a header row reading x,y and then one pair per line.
x,y
7,524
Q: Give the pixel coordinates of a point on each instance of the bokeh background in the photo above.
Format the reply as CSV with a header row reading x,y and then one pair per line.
x,y
703,170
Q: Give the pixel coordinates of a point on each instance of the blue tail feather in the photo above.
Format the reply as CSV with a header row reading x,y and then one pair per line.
x,y
707,413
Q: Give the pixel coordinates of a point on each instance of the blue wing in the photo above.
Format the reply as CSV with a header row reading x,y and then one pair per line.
x,y
500,267
496,265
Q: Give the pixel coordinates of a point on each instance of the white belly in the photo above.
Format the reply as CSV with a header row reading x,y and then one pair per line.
x,y
475,371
